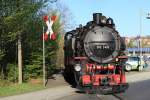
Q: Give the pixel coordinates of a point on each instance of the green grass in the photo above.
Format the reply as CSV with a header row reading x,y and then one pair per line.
x,y
18,89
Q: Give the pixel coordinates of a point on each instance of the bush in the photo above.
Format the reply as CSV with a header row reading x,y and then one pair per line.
x,y
12,74
32,71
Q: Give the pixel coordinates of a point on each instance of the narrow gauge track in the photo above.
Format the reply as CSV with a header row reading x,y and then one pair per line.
x,y
109,97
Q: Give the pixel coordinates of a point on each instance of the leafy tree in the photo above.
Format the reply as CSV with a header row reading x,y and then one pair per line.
x,y
16,16
23,18
132,44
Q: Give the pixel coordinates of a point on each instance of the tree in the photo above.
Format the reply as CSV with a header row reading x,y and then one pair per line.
x,y
21,23
132,44
16,16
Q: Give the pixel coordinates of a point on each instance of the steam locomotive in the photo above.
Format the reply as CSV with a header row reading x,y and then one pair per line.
x,y
94,56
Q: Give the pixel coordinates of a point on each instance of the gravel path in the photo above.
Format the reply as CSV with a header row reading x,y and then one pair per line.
x,y
58,88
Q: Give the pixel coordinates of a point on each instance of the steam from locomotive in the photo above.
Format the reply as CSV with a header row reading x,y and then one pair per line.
x,y
94,55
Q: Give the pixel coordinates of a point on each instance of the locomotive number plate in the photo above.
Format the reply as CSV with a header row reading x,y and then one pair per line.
x,y
102,47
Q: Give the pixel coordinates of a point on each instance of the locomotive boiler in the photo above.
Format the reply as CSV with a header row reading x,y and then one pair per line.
x,y
94,56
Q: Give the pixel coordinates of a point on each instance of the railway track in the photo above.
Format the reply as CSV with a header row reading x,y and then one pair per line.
x,y
109,97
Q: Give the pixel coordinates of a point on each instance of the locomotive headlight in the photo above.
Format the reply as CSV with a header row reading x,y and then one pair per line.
x,y
77,67
117,59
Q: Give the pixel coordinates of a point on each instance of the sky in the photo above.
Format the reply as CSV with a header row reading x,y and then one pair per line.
x,y
125,13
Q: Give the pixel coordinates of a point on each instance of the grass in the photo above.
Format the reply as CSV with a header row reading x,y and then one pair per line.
x,y
18,89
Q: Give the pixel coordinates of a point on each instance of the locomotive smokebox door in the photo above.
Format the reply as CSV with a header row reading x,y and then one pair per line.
x,y
100,44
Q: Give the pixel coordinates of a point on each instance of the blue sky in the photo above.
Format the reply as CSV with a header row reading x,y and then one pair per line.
x,y
126,13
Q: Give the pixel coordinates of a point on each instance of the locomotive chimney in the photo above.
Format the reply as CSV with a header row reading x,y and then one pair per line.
x,y
97,18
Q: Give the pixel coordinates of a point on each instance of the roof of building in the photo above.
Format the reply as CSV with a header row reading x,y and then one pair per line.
x,y
138,49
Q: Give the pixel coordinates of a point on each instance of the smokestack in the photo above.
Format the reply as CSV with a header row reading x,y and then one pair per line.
x,y
97,18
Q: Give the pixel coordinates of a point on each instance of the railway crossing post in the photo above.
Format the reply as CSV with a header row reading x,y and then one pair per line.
x,y
44,72
49,23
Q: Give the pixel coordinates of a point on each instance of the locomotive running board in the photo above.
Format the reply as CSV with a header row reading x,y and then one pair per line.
x,y
122,57
80,58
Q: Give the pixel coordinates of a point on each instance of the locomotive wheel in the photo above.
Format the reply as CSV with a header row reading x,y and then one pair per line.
x,y
128,67
69,77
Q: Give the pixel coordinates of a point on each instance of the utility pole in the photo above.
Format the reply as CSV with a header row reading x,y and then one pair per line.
x,y
19,52
19,59
140,40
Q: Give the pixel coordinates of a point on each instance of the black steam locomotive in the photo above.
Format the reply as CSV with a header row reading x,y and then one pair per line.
x,y
94,56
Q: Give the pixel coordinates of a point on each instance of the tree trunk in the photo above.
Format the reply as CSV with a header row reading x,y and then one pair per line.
x,y
19,60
